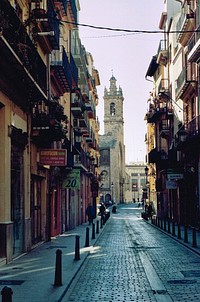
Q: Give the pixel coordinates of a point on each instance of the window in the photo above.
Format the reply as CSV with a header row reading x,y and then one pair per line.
x,y
104,157
112,109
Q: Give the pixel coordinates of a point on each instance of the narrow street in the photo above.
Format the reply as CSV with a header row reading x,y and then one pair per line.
x,y
134,261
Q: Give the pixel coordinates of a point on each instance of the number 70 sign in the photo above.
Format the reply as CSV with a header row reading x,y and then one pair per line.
x,y
72,181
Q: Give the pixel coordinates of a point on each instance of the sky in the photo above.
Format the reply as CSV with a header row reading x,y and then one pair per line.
x,y
125,55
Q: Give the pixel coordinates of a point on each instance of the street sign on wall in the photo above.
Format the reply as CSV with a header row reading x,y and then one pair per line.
x,y
72,181
171,185
174,176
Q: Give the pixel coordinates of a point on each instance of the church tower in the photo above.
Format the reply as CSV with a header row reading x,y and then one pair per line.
x,y
111,145
113,111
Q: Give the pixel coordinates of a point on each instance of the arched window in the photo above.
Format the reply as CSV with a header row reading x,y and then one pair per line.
x,y
112,109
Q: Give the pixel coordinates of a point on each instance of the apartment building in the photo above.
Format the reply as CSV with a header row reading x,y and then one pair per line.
x,y
49,128
174,113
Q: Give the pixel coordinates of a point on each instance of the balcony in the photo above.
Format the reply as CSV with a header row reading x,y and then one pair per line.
x,y
164,129
185,26
163,86
194,46
83,121
77,105
46,21
90,108
162,53
60,71
72,11
185,80
81,161
61,6
19,58
158,112
160,158
74,70
48,123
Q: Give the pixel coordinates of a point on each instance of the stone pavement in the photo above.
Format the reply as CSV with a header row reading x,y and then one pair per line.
x,y
129,260
31,276
134,261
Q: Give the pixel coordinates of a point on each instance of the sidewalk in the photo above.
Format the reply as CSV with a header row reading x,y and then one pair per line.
x,y
32,276
189,236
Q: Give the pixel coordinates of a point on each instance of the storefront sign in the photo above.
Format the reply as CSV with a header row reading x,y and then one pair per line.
x,y
72,181
53,157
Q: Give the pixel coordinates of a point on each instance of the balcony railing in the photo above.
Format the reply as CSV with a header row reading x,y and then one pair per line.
x,y
20,58
194,46
163,86
193,127
183,81
72,10
62,69
82,161
74,70
184,27
46,21
62,4
162,53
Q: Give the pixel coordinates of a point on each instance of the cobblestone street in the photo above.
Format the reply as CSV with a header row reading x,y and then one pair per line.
x,y
134,261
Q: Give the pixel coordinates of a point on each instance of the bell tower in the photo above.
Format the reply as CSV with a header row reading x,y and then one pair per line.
x,y
113,111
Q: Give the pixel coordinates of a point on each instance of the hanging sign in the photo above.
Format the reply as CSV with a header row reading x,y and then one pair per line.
x,y
72,181
53,157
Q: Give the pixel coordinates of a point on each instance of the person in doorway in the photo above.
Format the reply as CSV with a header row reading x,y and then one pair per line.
x,y
90,213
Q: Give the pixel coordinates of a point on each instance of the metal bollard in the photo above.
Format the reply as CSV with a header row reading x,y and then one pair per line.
x,y
6,294
58,270
161,224
93,231
194,238
165,224
87,240
101,222
77,248
185,234
173,229
97,229
169,226
179,231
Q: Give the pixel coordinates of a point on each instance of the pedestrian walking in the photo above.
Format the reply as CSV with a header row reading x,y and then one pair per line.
x,y
102,210
90,213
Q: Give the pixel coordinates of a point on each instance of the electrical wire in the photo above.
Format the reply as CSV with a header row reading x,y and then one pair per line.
x,y
129,30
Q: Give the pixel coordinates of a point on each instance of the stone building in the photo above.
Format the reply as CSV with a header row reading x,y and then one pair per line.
x,y
111,145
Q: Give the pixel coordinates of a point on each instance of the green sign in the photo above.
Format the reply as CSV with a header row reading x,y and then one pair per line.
x,y
72,181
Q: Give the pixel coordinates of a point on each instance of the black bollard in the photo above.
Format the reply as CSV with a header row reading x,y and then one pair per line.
x,y
58,270
77,247
93,231
173,229
6,294
97,229
87,240
185,234
165,224
101,222
194,238
168,226
179,231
